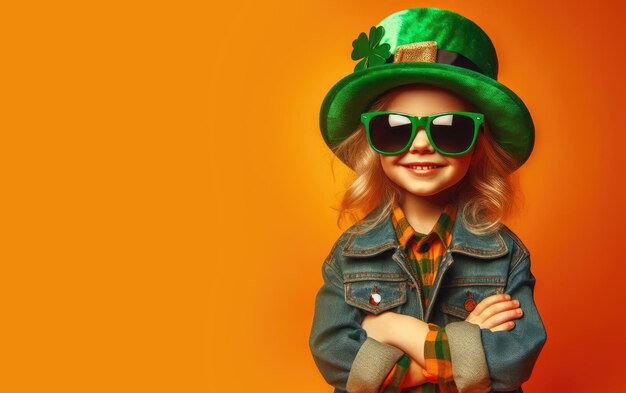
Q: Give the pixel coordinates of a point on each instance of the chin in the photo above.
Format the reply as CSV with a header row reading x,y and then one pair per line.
x,y
427,191
423,192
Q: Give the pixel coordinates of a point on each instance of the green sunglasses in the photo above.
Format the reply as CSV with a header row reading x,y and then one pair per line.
x,y
450,133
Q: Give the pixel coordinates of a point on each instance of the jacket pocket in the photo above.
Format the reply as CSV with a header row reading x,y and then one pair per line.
x,y
390,287
460,295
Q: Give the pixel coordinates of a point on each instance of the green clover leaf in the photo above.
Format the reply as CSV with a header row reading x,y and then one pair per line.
x,y
368,49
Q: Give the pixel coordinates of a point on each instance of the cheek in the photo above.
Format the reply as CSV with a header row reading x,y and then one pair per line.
x,y
464,166
459,169
393,172
386,164
463,163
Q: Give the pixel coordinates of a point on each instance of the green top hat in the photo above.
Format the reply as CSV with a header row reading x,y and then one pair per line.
x,y
435,47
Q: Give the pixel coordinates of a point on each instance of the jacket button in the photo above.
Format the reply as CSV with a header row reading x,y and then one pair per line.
x,y
375,298
470,303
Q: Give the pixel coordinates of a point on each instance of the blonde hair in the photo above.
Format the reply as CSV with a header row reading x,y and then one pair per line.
x,y
486,195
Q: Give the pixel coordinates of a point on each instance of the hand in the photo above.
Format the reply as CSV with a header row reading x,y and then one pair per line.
x,y
496,313
414,376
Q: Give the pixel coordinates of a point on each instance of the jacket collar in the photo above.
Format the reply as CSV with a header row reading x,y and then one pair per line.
x,y
383,237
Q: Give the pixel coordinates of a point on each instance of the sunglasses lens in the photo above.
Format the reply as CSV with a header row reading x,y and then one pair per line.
x,y
452,133
390,133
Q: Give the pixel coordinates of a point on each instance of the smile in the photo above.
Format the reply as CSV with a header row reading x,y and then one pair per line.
x,y
423,170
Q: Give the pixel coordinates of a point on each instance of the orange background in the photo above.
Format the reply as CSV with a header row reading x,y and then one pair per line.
x,y
167,194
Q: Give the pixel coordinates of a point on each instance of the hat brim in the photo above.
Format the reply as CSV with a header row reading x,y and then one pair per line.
x,y
508,118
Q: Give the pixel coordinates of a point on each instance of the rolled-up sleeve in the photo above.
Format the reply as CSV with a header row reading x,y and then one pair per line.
x,y
469,366
346,357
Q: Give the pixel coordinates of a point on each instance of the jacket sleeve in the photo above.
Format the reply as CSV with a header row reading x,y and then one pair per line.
x,y
346,357
509,356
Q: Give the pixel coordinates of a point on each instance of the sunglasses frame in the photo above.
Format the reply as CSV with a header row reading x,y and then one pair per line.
x,y
423,121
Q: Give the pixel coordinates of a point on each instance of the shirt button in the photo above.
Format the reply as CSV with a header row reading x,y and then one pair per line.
x,y
424,247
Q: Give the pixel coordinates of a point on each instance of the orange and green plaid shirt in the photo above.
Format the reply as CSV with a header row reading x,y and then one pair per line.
x,y
424,252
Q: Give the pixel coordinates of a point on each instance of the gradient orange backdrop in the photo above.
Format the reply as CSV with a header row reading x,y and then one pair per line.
x,y
168,196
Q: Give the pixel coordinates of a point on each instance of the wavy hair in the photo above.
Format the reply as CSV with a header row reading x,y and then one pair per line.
x,y
486,195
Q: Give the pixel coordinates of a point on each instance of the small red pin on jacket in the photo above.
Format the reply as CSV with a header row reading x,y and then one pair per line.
x,y
375,297
470,303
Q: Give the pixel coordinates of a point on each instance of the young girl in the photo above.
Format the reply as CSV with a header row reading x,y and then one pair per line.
x,y
430,291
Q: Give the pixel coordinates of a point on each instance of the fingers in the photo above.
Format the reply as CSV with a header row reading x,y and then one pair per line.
x,y
503,317
497,308
496,313
488,301
503,327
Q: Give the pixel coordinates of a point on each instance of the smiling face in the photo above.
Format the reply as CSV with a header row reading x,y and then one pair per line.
x,y
425,100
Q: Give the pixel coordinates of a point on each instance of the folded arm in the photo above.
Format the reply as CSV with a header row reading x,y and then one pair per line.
x,y
488,350
511,355
426,344
347,358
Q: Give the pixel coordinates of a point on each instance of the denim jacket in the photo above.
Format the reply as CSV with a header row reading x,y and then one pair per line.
x,y
474,266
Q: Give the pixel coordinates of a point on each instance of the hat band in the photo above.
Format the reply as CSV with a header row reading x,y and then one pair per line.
x,y
427,51
457,59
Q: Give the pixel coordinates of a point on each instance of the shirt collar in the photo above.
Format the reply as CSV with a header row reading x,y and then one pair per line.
x,y
442,228
383,237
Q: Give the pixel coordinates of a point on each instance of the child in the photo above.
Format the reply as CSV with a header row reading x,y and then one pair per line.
x,y
430,292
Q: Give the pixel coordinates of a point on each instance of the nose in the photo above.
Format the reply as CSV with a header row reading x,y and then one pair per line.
x,y
421,143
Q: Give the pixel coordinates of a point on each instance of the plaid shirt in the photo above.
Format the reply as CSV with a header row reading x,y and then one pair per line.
x,y
424,252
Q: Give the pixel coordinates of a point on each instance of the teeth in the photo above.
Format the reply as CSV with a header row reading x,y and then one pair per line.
x,y
423,167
